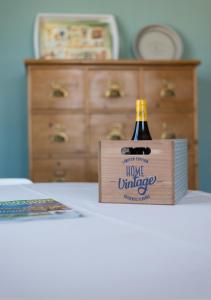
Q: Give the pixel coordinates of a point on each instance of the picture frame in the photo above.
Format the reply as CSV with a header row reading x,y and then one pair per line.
x,y
76,36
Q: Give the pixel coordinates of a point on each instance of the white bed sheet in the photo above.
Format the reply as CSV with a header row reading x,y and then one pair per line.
x,y
115,252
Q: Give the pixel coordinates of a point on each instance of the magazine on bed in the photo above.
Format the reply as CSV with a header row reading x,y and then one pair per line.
x,y
35,209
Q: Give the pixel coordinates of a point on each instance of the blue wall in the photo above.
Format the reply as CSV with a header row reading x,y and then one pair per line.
x,y
191,18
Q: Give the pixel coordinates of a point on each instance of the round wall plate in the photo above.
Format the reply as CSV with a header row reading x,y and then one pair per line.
x,y
158,42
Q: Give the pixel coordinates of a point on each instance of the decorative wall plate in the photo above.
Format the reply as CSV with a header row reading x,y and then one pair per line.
x,y
158,42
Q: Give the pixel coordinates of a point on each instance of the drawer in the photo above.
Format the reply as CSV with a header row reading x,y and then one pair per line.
x,y
113,89
172,126
168,89
110,126
58,170
56,134
92,170
56,88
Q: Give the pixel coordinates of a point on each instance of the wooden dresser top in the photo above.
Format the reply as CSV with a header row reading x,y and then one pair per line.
x,y
130,62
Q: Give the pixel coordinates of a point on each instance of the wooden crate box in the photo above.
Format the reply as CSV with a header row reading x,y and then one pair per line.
x,y
157,177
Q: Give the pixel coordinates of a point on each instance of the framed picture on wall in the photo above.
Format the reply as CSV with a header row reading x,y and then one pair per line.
x,y
72,36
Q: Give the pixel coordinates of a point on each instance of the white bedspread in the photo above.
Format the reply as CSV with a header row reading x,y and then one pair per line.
x,y
115,252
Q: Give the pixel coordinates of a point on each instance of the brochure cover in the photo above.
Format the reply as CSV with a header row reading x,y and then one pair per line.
x,y
33,209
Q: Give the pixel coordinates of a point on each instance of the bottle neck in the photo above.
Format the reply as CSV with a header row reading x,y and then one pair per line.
x,y
141,113
141,131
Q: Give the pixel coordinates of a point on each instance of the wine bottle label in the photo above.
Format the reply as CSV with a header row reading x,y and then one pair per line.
x,y
141,110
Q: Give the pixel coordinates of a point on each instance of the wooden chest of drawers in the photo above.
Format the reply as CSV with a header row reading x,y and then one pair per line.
x,y
73,104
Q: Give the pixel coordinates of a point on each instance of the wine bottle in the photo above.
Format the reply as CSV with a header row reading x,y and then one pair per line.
x,y
141,131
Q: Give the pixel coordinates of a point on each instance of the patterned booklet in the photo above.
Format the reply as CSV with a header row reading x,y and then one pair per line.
x,y
33,209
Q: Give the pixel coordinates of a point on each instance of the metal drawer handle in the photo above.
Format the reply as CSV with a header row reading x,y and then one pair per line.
x,y
59,175
166,134
114,91
60,137
168,89
58,91
59,179
116,133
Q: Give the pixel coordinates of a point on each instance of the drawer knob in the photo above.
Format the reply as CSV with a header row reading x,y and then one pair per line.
x,y
168,89
116,133
114,91
58,91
